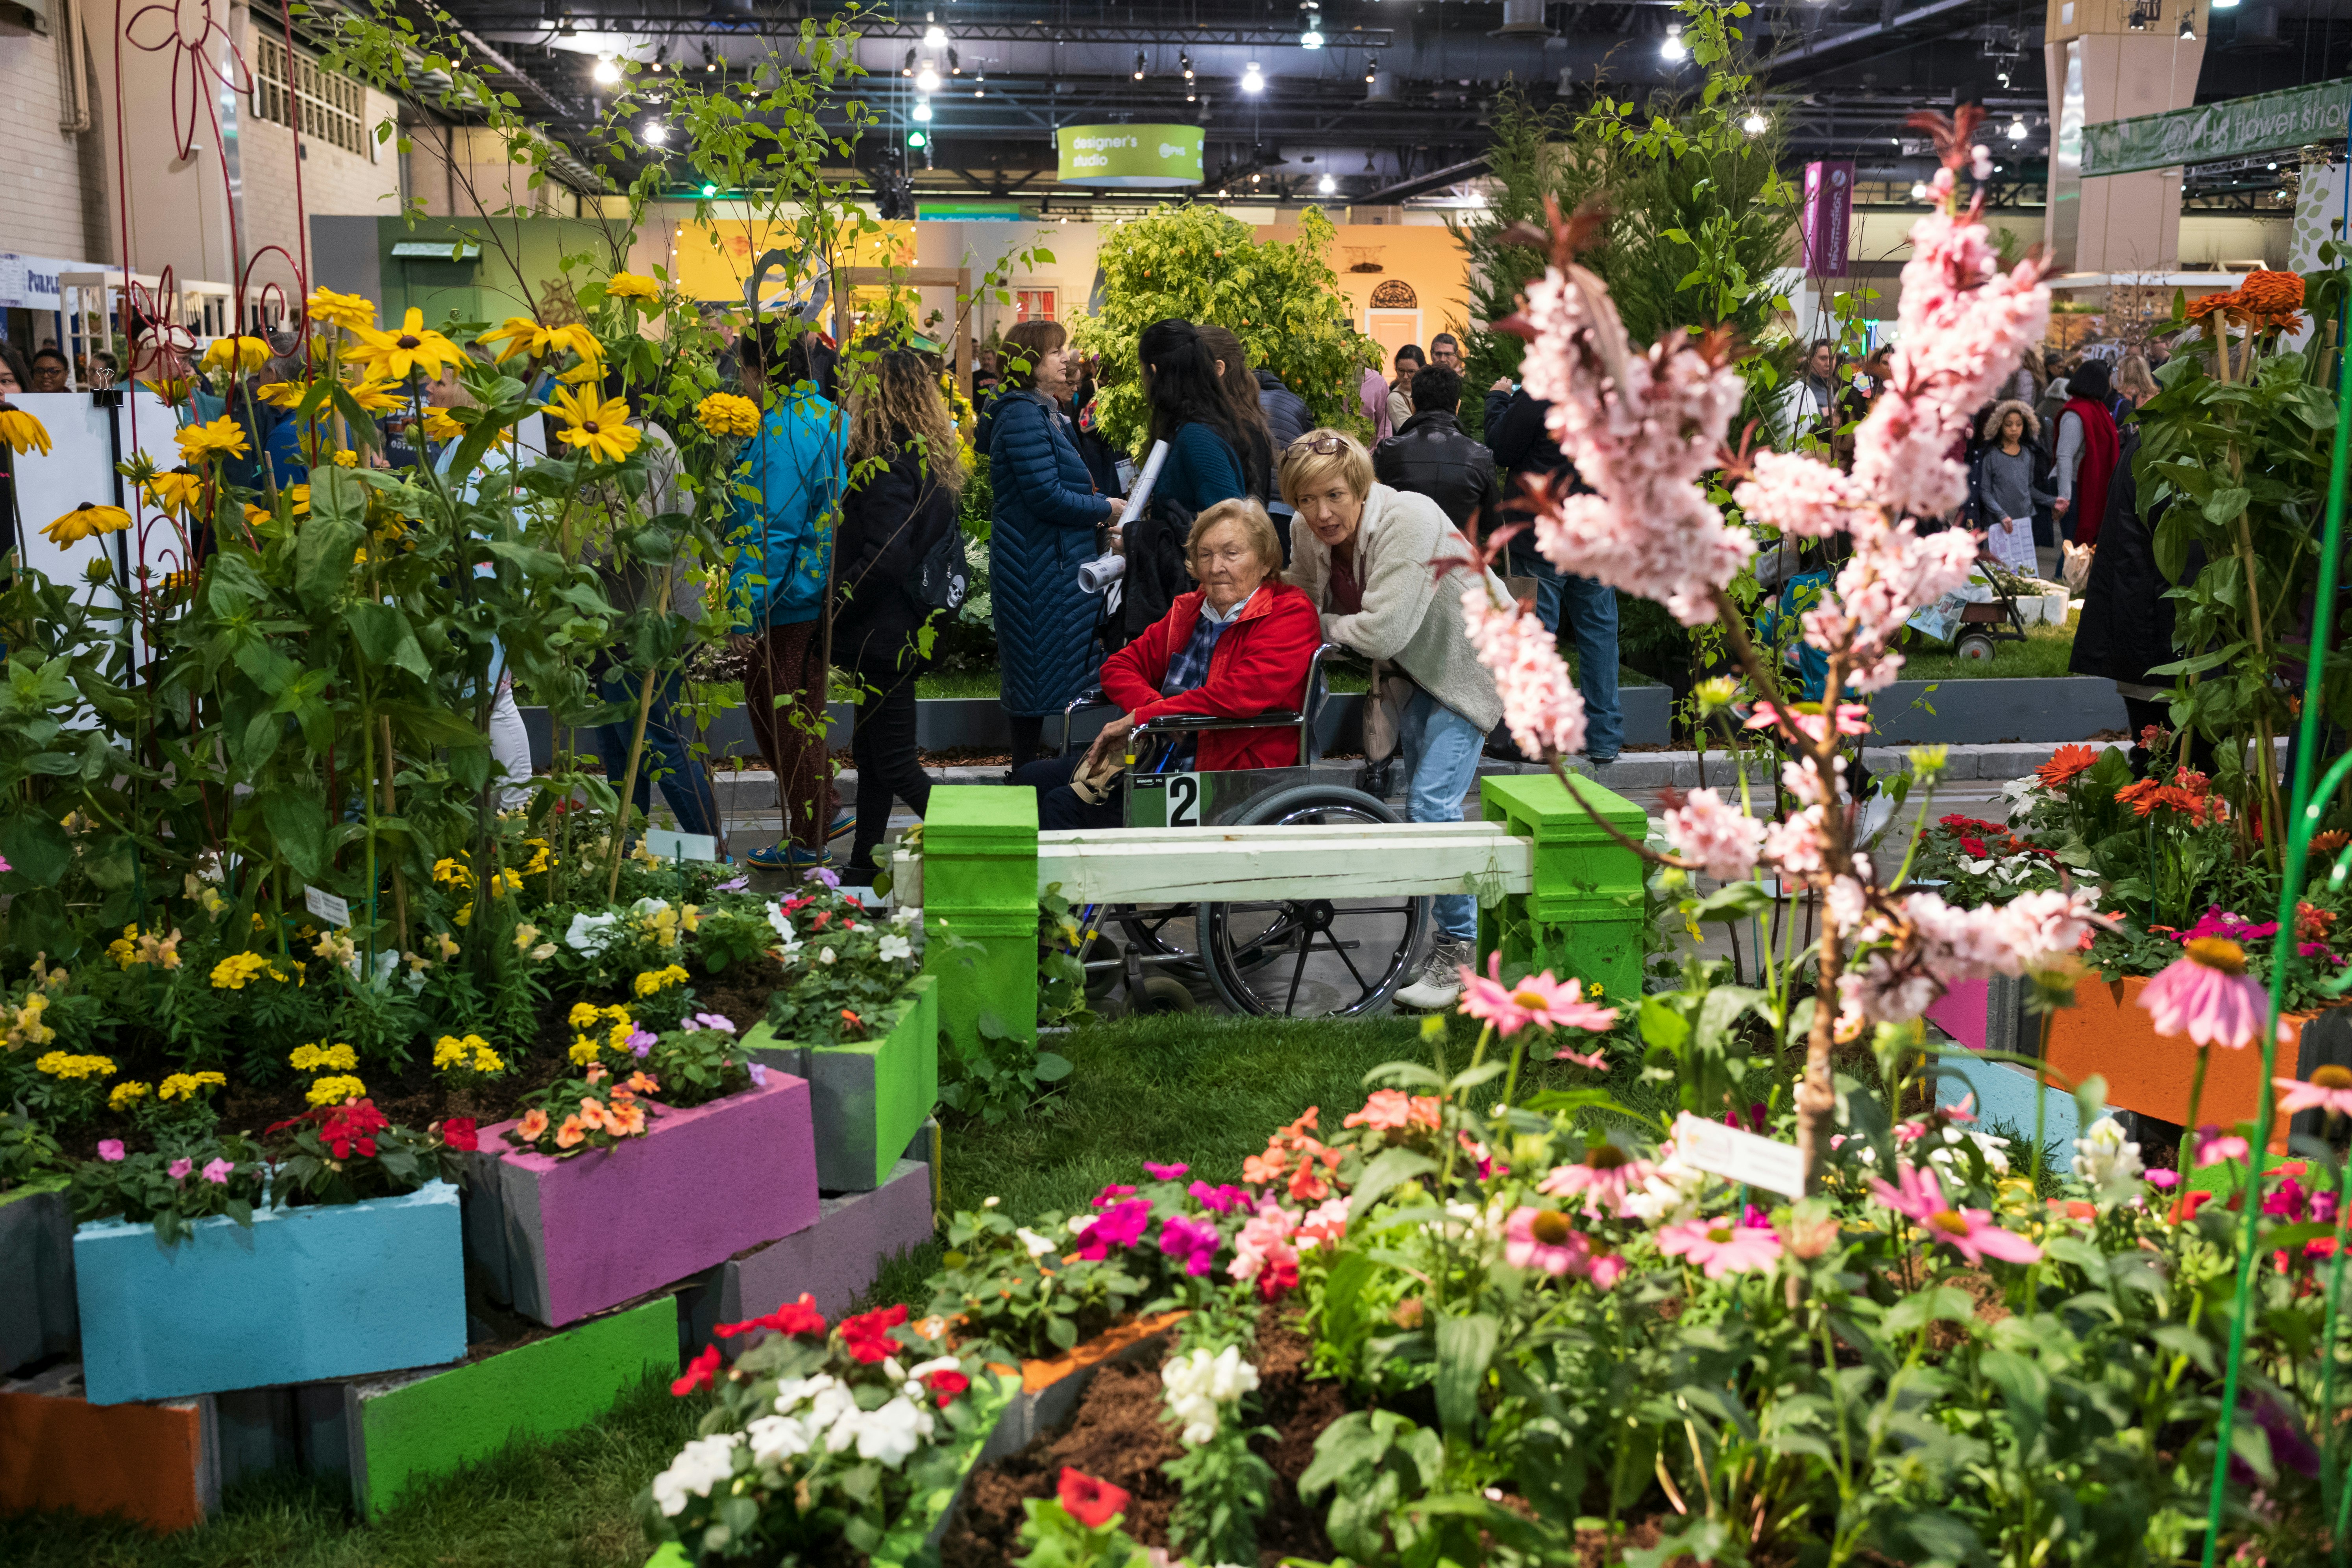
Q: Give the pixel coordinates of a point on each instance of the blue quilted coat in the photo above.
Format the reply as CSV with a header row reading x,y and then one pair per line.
x,y
1043,526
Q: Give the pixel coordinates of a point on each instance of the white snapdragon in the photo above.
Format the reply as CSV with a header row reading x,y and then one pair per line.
x,y
701,1465
2104,1158
1199,1387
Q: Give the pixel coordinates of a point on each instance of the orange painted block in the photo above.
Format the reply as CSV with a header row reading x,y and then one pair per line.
x,y
156,1464
2107,1032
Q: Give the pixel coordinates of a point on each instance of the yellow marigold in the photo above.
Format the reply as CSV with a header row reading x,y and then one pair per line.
x,y
198,442
585,1050
582,1016
349,311
347,459
450,873
231,973
59,1064
629,286
125,1096
654,981
237,355
124,949
617,1036
85,521
188,1085
726,414
21,431
322,1057
335,1090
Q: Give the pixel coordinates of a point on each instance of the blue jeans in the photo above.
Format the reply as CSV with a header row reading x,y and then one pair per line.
x,y
686,784
1592,618
1441,750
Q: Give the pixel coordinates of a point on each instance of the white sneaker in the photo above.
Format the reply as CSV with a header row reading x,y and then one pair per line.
x,y
1440,984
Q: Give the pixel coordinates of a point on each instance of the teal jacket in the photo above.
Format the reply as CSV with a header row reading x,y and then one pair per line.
x,y
786,558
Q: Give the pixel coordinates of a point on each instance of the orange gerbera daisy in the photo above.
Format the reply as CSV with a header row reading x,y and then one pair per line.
x,y
2140,795
2329,842
2271,293
2065,764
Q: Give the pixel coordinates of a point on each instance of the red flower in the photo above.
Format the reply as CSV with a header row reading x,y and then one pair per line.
x,y
799,1317
1091,1502
459,1134
1975,847
1280,1276
353,1126
947,1383
867,1336
699,1373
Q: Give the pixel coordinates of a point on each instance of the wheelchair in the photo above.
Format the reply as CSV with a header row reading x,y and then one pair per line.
x,y
1296,958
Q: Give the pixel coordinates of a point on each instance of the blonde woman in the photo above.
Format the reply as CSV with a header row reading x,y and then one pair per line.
x,y
2134,380
890,521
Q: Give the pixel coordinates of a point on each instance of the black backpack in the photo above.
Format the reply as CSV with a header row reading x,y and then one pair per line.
x,y
943,579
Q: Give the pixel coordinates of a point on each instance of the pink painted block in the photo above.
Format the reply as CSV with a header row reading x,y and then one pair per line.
x,y
561,1239
1960,1012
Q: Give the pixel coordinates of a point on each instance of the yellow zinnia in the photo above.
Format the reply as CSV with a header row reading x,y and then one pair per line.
x,y
399,354
237,355
22,432
173,492
726,414
629,286
599,430
353,311
198,442
85,521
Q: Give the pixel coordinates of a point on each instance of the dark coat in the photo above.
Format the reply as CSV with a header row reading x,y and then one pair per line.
x,y
2127,622
1287,416
887,525
1045,524
1432,455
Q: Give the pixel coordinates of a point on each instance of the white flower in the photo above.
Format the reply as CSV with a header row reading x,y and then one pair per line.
x,y
795,1392
1987,1144
701,1465
892,1370
937,1363
906,915
1670,1195
2104,1158
591,933
990,1201
892,1433
825,955
896,947
1080,1222
648,906
1037,1244
1200,1385
832,1412
775,1439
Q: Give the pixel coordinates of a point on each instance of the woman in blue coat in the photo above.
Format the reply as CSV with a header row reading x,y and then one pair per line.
x,y
1044,525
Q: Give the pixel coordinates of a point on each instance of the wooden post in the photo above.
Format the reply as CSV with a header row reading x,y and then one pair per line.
x,y
846,283
980,886
1584,916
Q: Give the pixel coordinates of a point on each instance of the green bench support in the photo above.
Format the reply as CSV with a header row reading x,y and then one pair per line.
x,y
979,886
1584,917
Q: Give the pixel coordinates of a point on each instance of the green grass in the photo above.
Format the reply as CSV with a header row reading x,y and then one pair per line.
x,y
2045,651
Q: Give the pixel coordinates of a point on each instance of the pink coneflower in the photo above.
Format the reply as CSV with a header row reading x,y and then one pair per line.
x,y
1607,1269
2329,1090
1721,1246
2205,993
1972,1233
2214,1146
1604,1178
1543,1238
2160,1178
1538,999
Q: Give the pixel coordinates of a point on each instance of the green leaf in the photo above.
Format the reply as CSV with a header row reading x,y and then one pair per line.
x,y
1052,1069
1388,1169
1464,1347
2224,504
383,636
1920,1307
296,821
35,846
323,555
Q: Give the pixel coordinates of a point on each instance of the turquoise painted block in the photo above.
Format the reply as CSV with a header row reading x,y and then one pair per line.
x,y
303,1296
2004,1099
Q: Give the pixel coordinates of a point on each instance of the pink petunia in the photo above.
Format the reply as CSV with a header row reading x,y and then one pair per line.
x,y
1165,1173
1543,1238
1223,1199
219,1172
2165,1179
109,1149
2329,1090
1538,999
1720,1247
1191,1242
1120,1225
2215,1146
1972,1233
2207,994
178,1169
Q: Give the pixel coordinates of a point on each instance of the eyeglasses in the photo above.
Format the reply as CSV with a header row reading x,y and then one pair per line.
x,y
1324,445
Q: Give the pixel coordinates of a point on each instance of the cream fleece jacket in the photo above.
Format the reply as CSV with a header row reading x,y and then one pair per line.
x,y
1412,615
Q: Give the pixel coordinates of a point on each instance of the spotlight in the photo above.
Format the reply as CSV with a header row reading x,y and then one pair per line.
x,y
608,70
1673,49
1312,38
1139,65
907,67
1255,178
1371,75
980,92
2225,4
934,37
1185,60
1327,184
1754,124
1190,97
1253,79
923,110
917,139
927,79
2017,129
1918,190
709,59
2189,25
708,190
655,133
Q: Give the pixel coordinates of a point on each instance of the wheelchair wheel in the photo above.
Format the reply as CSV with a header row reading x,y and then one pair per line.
x,y
1309,958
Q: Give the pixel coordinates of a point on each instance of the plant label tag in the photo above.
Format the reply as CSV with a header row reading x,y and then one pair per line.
x,y
671,846
1738,1156
335,912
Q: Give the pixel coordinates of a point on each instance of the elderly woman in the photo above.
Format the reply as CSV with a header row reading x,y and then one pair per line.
x,y
1236,647
1386,571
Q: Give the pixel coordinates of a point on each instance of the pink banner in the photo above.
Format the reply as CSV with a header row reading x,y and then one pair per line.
x,y
1827,218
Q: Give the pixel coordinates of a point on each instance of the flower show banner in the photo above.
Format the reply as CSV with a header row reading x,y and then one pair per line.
x,y
2234,128
1130,157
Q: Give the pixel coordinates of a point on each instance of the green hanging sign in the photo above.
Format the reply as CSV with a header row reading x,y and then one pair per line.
x,y
2236,128
1130,157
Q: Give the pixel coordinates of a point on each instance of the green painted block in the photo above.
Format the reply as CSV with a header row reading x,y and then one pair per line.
x,y
404,1430
980,911
1585,916
868,1098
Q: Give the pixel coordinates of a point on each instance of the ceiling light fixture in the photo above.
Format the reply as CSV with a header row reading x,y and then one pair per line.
x,y
1312,38
1918,190
655,133
608,70
1253,79
927,79
1139,65
1754,124
923,110
934,37
1327,184
2189,27
1672,48
2017,129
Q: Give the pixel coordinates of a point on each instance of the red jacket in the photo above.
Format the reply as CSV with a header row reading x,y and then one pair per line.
x,y
1259,665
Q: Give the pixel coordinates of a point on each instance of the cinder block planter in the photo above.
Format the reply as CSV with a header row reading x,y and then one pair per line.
x,y
833,1261
2107,1032
1584,917
305,1295
561,1239
401,1432
157,1465
1049,1389
36,1282
2003,1097
867,1099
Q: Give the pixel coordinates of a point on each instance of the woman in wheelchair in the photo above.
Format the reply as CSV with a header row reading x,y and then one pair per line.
x,y
1239,646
